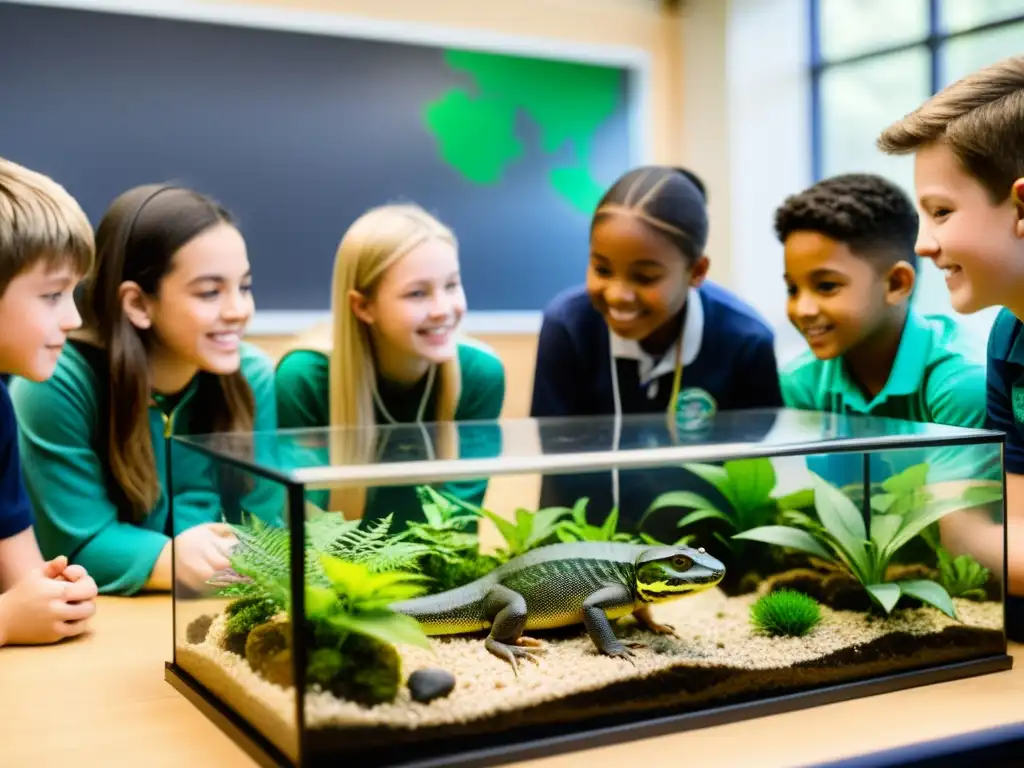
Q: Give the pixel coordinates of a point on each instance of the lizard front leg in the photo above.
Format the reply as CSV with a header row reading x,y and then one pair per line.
x,y
506,610
596,620
643,615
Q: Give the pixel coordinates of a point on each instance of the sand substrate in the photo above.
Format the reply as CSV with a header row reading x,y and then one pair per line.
x,y
716,659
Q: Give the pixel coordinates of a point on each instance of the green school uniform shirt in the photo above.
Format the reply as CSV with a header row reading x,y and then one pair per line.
x,y
63,440
302,384
937,377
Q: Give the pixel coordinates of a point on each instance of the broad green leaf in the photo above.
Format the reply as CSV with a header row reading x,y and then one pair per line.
x,y
836,511
396,593
320,601
909,480
345,577
916,521
566,535
881,502
506,528
724,541
886,594
610,524
467,506
983,494
544,522
383,581
754,517
843,521
883,528
715,475
685,499
388,627
430,508
931,593
784,536
524,524
752,481
704,514
800,519
907,503
802,499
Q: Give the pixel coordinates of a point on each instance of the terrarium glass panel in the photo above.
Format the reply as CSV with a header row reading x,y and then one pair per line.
x,y
232,626
482,586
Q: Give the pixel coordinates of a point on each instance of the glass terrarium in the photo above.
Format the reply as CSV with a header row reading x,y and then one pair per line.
x,y
475,593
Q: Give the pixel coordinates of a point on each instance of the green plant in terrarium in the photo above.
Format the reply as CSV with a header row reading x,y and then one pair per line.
x,y
785,613
354,632
527,531
443,529
578,529
374,546
962,576
841,537
452,557
747,485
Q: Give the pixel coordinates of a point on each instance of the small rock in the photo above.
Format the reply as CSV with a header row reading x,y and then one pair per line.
x,y
198,629
425,685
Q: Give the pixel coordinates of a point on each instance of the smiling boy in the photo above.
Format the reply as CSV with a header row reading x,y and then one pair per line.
x,y
46,245
850,274
968,142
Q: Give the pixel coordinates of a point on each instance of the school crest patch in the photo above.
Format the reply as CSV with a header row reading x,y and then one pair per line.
x,y
1017,402
695,408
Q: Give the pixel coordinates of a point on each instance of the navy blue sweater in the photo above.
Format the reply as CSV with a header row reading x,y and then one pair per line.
x,y
15,510
728,352
731,353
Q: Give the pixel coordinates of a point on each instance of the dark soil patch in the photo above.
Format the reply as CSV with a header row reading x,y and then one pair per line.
x,y
839,590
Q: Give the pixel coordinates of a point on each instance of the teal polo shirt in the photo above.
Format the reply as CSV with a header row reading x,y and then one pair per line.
x,y
1006,387
937,377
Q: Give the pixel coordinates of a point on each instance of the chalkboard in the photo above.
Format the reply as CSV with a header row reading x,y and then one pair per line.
x,y
298,131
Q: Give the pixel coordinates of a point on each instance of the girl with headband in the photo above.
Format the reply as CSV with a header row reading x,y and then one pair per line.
x,y
160,353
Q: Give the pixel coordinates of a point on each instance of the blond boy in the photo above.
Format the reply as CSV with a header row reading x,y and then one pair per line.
x,y
968,142
46,246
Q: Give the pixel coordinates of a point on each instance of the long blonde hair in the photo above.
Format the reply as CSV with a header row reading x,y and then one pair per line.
x,y
375,241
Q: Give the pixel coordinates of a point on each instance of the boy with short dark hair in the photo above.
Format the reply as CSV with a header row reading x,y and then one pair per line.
x,y
850,274
968,142
46,246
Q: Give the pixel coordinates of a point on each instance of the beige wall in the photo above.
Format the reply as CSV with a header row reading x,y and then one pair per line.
x,y
638,23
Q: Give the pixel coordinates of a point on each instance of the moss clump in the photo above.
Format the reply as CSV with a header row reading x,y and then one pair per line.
x,y
248,612
242,616
451,574
268,651
785,613
365,670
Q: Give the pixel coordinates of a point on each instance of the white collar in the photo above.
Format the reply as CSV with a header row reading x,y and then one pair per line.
x,y
693,335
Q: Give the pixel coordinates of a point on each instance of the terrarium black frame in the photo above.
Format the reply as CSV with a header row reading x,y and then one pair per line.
x,y
490,742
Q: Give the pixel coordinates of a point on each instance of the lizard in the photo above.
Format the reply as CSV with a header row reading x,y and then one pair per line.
x,y
557,585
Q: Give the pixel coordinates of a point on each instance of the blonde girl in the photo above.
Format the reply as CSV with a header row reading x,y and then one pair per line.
x,y
394,353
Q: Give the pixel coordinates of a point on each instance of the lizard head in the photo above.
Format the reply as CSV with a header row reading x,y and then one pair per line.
x,y
664,573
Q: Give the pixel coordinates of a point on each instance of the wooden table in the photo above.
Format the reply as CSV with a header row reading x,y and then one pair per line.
x,y
101,700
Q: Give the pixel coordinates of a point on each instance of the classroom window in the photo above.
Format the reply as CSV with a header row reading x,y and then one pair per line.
x,y
872,61
963,55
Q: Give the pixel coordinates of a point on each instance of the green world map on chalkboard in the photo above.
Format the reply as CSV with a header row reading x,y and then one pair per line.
x,y
476,132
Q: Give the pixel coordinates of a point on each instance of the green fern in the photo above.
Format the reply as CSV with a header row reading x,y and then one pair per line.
x,y
963,576
374,547
443,531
